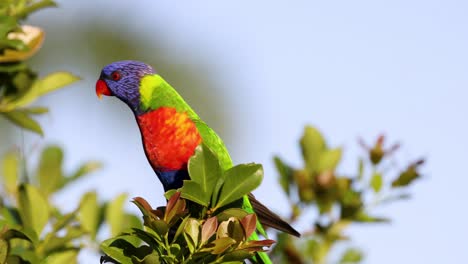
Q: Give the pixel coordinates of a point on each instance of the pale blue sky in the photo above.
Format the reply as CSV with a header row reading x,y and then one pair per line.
x,y
352,68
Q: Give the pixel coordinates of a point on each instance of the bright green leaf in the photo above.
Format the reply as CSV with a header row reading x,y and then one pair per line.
x,y
22,119
89,213
63,256
10,171
204,169
50,83
376,182
33,207
239,181
312,145
115,214
329,159
49,171
351,255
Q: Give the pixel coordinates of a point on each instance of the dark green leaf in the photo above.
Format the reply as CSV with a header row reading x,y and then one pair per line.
x,y
120,248
22,119
406,177
239,181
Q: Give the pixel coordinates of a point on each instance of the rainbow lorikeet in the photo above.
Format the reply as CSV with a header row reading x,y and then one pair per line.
x,y
170,129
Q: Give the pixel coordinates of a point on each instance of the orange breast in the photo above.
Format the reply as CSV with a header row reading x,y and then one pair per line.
x,y
169,138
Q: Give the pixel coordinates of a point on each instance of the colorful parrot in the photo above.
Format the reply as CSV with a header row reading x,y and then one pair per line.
x,y
171,130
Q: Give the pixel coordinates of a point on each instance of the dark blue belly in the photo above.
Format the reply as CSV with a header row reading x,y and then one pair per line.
x,y
172,179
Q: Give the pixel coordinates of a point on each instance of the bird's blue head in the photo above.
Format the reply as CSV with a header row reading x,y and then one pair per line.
x,y
122,79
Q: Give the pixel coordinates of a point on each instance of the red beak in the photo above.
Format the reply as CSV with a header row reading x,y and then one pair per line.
x,y
102,89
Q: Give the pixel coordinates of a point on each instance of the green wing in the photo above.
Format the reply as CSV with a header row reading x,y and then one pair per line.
x,y
214,142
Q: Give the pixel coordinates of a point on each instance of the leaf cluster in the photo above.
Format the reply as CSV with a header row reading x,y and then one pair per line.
x,y
339,200
203,222
19,85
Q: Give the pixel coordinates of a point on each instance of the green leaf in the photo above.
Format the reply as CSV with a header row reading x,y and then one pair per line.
x,y
10,171
376,182
192,232
33,207
4,247
89,213
38,110
67,256
312,145
365,218
222,244
120,248
204,171
360,169
194,192
49,171
351,255
239,181
285,173
84,169
50,83
406,177
22,119
115,214
329,159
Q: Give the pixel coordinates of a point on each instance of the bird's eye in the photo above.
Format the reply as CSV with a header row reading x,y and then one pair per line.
x,y
115,76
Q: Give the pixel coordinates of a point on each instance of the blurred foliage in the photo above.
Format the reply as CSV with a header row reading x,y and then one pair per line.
x,y
19,85
203,222
339,200
32,228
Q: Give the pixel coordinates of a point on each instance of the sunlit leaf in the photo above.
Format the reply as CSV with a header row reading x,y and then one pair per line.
x,y
120,248
192,230
63,256
10,171
51,82
204,169
329,160
89,213
49,171
351,255
115,214
34,208
376,182
312,145
24,44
